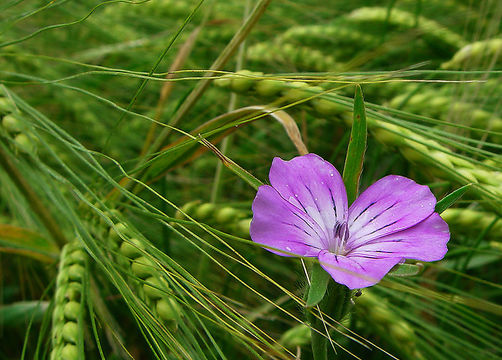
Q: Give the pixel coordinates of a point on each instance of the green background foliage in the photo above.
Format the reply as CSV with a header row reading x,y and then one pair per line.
x,y
134,134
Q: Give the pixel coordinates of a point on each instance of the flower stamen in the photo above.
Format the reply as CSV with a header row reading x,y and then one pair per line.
x,y
340,237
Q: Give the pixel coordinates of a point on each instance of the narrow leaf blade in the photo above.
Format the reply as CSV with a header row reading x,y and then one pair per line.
x,y
450,199
357,146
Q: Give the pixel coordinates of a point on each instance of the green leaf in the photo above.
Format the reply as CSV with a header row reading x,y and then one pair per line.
x,y
318,285
357,146
450,199
406,270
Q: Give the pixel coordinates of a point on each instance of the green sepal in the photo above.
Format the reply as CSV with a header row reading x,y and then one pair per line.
x,y
406,270
318,285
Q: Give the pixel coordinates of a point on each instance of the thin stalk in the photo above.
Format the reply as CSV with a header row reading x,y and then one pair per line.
x,y
202,85
204,261
35,203
152,70
231,107
218,64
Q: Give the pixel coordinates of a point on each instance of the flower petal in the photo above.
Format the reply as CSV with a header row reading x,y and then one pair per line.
x,y
356,271
425,241
392,204
278,224
314,185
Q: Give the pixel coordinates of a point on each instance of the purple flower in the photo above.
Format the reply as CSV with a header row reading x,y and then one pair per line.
x,y
305,213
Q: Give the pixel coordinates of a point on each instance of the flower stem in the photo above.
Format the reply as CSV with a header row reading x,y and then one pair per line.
x,y
336,304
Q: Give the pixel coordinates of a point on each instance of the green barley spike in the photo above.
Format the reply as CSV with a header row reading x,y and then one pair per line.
x,y
405,20
130,254
67,327
476,54
299,57
472,221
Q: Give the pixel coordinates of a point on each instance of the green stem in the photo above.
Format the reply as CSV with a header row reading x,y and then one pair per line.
x,y
336,304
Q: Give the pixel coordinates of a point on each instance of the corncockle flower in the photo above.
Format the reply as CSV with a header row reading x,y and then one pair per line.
x,y
305,213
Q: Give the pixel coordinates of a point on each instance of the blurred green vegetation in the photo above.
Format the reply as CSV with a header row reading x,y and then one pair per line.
x,y
164,267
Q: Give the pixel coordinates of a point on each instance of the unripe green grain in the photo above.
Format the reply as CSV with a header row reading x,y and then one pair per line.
x,y
63,277
58,314
294,91
338,36
69,352
188,209
77,257
12,123
57,333
224,81
24,143
226,215
204,211
132,248
436,34
71,310
467,174
376,314
70,332
114,232
471,221
59,296
152,288
269,87
168,309
143,267
5,105
242,82
76,272
302,57
437,159
73,292
242,228
326,107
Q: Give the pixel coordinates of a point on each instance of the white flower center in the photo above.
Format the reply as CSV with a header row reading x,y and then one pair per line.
x,y
341,235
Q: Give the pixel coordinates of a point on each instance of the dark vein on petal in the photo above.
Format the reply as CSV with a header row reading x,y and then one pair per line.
x,y
306,223
313,198
303,207
383,227
287,204
298,227
374,217
372,242
332,201
362,212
